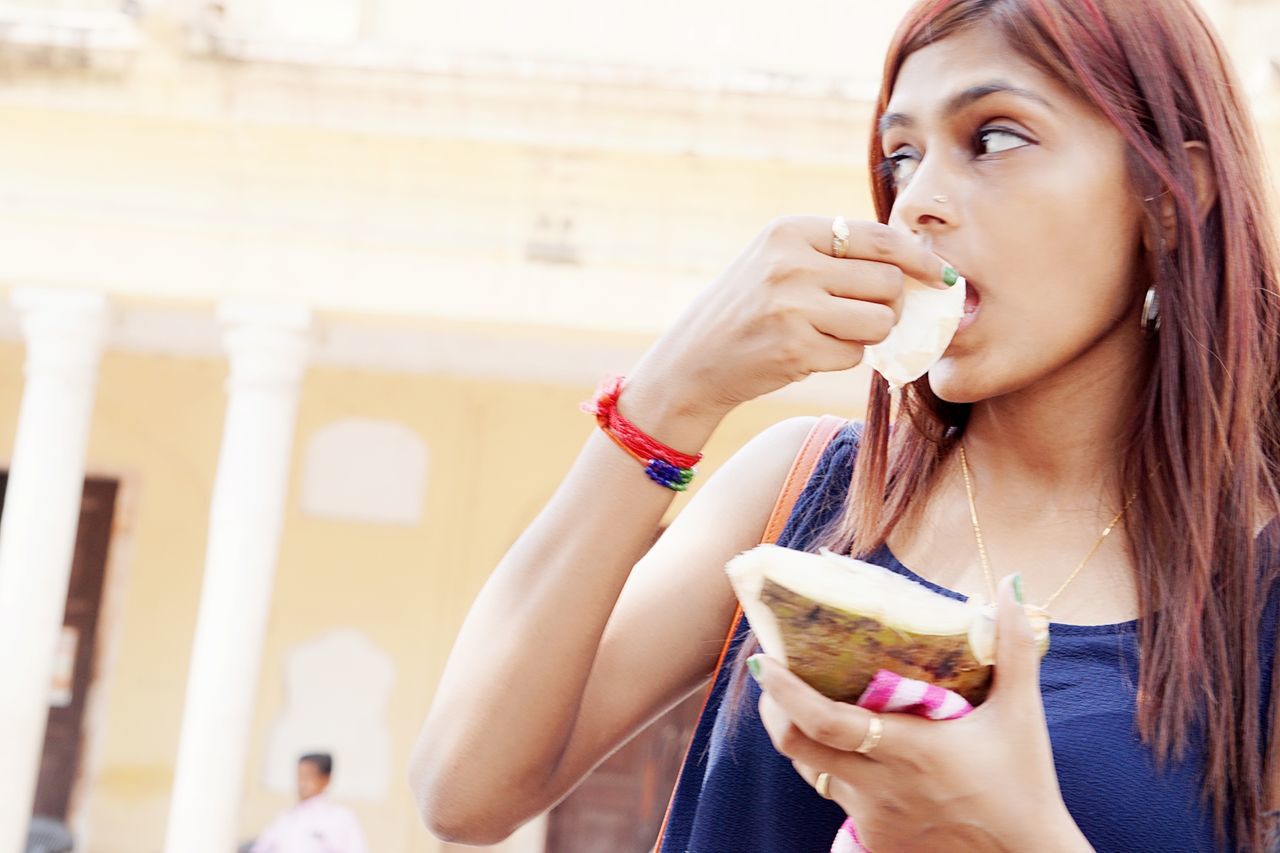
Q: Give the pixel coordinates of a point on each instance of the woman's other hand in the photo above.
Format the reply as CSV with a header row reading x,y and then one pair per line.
x,y
985,781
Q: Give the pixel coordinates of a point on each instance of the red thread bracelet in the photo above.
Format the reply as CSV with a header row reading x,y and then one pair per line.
x,y
627,435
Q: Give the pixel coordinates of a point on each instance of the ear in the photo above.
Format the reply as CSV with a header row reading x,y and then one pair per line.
x,y
1206,189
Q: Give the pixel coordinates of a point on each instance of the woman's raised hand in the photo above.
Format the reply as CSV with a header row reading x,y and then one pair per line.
x,y
985,781
787,308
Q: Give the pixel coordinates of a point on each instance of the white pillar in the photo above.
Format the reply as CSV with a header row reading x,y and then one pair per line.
x,y
268,350
64,332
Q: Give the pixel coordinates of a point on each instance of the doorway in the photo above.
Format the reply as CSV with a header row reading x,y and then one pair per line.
x,y
620,806
76,655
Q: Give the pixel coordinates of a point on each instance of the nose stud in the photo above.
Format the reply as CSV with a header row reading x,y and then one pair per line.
x,y
940,199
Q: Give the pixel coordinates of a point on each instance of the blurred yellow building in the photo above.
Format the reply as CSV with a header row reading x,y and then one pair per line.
x,y
309,291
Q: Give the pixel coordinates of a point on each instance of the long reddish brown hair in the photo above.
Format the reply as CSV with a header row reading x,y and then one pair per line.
x,y
1202,447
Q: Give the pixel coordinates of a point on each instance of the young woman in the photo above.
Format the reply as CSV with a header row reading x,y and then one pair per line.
x,y
1089,167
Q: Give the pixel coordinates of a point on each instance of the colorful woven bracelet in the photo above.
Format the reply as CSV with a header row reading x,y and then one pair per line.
x,y
664,465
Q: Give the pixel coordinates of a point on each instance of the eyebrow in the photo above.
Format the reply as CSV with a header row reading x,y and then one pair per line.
x,y
961,100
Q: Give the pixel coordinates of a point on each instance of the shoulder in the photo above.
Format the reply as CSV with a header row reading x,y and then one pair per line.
x,y
729,511
782,442
767,455
761,466
791,430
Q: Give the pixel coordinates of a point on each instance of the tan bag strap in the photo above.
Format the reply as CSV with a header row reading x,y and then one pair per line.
x,y
819,438
823,432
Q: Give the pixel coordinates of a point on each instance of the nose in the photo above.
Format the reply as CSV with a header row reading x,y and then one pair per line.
x,y
926,203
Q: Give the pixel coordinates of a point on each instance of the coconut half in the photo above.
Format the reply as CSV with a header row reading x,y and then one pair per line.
x,y
928,322
836,621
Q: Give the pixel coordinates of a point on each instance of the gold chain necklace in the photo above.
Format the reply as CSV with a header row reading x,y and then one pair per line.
x,y
982,548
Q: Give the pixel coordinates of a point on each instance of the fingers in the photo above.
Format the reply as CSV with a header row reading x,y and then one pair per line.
x,y
854,320
837,787
824,723
830,354
1017,646
807,772
866,281
848,303
857,771
872,241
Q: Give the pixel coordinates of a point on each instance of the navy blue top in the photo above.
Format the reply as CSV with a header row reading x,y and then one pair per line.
x,y
738,795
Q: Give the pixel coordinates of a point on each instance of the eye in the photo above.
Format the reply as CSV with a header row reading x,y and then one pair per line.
x,y
894,168
996,140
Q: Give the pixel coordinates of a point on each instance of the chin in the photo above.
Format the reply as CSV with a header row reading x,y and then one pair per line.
x,y
953,383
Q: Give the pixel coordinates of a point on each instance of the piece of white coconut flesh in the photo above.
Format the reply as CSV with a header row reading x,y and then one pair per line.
x,y
924,330
836,621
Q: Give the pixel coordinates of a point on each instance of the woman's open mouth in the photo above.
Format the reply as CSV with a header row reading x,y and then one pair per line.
x,y
972,303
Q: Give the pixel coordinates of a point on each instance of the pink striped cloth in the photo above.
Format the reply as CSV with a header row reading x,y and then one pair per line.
x,y
889,692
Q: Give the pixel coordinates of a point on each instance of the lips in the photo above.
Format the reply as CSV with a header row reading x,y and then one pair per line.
x,y
972,303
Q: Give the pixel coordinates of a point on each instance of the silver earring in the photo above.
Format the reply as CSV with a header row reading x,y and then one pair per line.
x,y
1151,311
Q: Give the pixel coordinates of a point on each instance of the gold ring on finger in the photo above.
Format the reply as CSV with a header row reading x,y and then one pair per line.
x,y
875,729
823,785
839,237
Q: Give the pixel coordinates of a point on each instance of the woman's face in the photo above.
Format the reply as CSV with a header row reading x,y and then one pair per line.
x,y
1039,214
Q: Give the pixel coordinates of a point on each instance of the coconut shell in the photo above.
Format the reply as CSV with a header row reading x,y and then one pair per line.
x,y
837,652
836,621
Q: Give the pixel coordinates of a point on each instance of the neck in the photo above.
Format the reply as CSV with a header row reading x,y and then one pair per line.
x,y
1056,447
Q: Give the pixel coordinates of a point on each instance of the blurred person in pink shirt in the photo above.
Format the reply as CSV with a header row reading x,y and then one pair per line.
x,y
316,824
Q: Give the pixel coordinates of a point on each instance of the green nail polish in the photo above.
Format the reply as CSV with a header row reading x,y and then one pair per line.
x,y
1017,587
949,275
753,664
